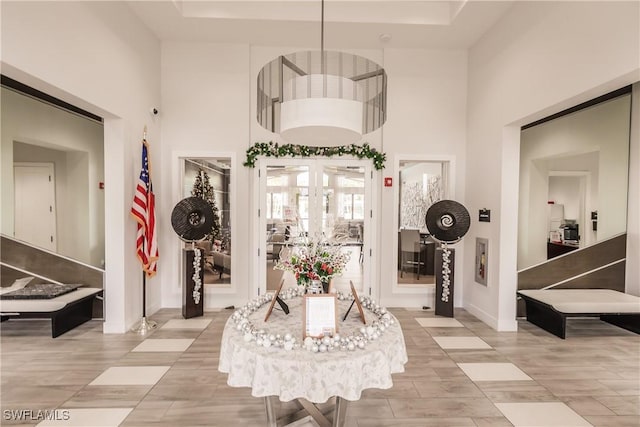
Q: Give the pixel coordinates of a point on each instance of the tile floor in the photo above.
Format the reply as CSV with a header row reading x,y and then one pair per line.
x,y
164,345
460,373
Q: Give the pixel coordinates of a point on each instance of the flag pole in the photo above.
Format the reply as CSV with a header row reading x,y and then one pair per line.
x,y
144,325
144,295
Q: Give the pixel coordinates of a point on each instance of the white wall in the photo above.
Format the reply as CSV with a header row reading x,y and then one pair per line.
x,y
632,271
539,59
427,95
566,190
74,144
209,107
205,113
101,58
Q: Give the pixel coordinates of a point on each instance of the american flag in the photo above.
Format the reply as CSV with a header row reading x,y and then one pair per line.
x,y
144,212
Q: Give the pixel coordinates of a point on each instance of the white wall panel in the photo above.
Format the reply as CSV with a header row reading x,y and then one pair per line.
x,y
427,116
205,113
100,57
539,59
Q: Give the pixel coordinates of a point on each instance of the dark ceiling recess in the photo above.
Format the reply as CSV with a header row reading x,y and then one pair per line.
x,y
35,93
606,97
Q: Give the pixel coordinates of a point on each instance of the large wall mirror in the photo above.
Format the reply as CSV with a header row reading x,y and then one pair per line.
x,y
52,177
574,180
210,179
421,183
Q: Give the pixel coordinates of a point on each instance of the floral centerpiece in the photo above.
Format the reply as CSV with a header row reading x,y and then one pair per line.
x,y
313,259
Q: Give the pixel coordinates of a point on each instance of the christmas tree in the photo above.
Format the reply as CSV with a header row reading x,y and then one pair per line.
x,y
202,188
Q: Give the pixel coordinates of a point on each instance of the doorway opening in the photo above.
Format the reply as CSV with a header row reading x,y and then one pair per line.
x,y
321,201
421,184
35,217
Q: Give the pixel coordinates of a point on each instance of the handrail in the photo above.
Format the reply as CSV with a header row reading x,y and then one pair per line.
x,y
577,276
22,242
572,252
30,273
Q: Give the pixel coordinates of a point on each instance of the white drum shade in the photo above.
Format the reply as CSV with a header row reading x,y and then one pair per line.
x,y
319,120
334,101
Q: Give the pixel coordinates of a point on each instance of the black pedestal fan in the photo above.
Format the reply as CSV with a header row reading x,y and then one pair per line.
x,y
192,219
447,221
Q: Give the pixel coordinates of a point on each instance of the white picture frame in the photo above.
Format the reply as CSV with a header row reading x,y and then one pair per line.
x,y
482,260
319,315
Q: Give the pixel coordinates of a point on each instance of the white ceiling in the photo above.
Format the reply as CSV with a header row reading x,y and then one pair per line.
x,y
348,24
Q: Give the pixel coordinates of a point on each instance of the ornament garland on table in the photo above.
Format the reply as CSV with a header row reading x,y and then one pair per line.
x,y
313,259
288,342
273,149
197,257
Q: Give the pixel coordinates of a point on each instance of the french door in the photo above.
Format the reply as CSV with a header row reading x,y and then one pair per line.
x,y
315,199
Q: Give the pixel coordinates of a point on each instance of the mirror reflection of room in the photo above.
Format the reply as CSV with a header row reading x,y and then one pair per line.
x,y
52,177
566,211
422,183
209,179
574,181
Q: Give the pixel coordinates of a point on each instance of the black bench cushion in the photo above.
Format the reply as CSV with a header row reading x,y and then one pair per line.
x,y
40,291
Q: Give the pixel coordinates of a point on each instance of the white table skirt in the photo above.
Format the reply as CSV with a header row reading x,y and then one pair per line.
x,y
299,373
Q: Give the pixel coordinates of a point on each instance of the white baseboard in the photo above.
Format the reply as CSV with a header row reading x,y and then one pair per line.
x,y
114,328
211,301
510,325
482,315
426,298
153,309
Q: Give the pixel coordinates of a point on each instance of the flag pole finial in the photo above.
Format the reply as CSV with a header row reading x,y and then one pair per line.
x,y
144,133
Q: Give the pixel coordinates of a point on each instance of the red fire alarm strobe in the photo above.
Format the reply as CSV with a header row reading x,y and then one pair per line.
x,y
101,185
388,181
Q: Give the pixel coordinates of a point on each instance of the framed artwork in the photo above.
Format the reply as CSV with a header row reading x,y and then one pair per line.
x,y
356,301
273,301
319,315
482,260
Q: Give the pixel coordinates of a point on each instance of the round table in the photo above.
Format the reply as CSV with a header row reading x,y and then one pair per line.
x,y
301,374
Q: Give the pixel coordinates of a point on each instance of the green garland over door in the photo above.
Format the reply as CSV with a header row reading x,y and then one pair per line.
x,y
273,149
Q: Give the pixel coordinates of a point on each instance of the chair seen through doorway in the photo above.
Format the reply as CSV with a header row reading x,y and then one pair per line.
x,y
410,245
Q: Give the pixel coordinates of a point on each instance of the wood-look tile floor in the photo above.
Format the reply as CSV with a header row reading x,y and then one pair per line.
x,y
531,377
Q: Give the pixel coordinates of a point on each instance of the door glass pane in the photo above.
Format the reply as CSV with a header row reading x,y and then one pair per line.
x,y
332,214
302,207
358,206
210,178
343,219
422,183
287,213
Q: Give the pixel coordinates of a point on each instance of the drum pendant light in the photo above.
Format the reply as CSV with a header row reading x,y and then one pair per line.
x,y
321,98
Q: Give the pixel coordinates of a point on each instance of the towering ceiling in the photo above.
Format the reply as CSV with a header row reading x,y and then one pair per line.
x,y
348,24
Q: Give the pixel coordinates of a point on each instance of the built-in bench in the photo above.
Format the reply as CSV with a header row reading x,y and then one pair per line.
x,y
65,311
549,309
